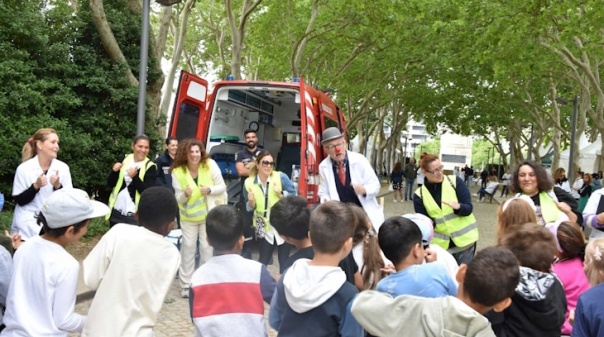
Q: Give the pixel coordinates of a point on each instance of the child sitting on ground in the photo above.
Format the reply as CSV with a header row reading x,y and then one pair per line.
x,y
313,297
133,265
228,291
290,216
401,241
42,292
589,315
539,303
568,265
486,283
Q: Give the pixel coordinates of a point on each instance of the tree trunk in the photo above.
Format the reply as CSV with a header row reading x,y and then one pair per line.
x,y
238,32
108,40
179,39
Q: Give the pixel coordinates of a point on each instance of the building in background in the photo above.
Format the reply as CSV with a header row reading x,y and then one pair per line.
x,y
455,151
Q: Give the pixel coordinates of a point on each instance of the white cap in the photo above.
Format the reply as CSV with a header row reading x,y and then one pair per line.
x,y
425,225
69,206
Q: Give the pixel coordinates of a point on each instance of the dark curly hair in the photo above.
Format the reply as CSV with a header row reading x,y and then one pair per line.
x,y
544,183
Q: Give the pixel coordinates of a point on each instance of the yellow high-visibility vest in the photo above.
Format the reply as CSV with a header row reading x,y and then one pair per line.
x,y
195,209
120,180
274,180
462,230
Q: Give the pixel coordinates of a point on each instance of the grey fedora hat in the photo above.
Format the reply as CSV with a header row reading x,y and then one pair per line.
x,y
330,134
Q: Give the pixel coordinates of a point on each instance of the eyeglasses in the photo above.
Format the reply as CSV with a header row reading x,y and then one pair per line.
x,y
436,170
267,163
333,146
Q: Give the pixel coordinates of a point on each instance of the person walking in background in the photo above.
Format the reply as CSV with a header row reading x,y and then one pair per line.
x,y
199,187
132,269
38,176
561,180
348,177
163,162
396,179
447,201
595,179
577,184
243,161
505,180
483,177
410,175
468,175
585,191
420,176
128,179
262,189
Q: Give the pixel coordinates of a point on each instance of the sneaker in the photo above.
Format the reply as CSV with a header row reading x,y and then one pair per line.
x,y
394,200
184,293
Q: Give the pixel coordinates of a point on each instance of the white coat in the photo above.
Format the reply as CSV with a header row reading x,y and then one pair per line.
x,y
24,218
361,173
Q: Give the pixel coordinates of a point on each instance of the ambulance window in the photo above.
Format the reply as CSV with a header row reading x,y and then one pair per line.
x,y
328,123
188,119
292,137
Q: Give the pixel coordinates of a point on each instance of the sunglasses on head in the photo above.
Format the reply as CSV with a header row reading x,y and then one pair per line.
x,y
267,163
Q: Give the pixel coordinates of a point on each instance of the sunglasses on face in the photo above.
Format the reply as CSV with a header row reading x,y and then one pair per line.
x,y
267,163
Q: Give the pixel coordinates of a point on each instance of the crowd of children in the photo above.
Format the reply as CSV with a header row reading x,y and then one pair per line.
x,y
343,280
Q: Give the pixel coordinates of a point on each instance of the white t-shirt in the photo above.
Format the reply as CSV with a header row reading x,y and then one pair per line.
x,y
420,176
24,217
42,292
131,269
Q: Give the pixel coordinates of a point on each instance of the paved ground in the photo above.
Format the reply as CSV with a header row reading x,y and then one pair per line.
x,y
174,319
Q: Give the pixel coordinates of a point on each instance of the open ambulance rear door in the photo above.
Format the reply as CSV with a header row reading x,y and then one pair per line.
x,y
190,117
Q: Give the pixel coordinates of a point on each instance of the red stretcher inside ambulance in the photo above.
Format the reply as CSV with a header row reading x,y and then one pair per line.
x,y
289,118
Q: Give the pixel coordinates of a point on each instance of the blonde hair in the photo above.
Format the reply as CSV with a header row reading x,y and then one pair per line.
x,y
29,149
594,261
514,212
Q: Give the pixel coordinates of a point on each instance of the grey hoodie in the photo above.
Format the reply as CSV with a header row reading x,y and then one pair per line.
x,y
382,315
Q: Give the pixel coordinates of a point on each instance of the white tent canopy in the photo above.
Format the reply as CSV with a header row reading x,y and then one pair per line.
x,y
588,158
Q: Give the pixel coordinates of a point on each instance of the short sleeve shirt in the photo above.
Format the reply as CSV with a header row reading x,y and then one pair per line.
x,y
244,156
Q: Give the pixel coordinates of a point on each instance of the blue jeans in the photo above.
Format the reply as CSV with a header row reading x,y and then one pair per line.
x,y
409,189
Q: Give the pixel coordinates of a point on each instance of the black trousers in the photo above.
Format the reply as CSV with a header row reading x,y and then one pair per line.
x,y
265,249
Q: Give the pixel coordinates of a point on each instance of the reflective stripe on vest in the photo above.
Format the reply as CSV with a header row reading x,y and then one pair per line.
x,y
251,184
463,230
549,208
120,180
195,209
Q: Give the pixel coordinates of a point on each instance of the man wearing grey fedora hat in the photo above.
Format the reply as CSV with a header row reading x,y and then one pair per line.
x,y
348,177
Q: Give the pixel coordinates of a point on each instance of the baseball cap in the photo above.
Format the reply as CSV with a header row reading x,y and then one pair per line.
x,y
425,225
69,206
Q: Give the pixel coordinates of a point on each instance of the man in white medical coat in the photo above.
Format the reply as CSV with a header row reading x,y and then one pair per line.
x,y
348,177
